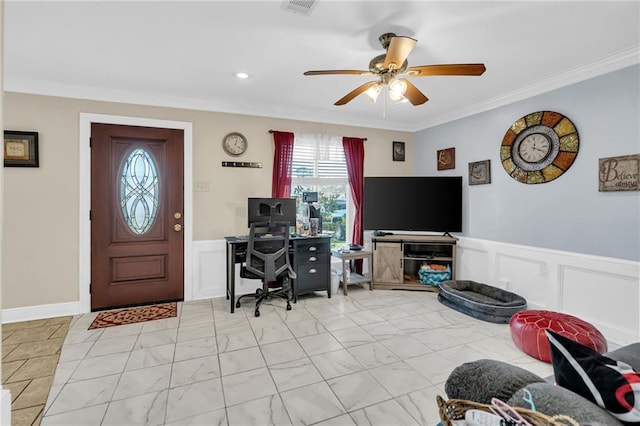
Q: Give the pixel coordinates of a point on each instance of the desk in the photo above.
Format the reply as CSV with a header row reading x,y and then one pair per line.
x,y
310,259
353,278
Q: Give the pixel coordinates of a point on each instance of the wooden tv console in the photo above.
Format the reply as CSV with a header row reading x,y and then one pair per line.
x,y
398,257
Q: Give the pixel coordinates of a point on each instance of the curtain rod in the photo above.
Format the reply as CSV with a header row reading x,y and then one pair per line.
x,y
271,131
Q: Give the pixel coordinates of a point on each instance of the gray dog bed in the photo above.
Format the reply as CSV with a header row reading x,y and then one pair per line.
x,y
481,301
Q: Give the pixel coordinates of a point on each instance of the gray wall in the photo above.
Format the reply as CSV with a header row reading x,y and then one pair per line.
x,y
568,213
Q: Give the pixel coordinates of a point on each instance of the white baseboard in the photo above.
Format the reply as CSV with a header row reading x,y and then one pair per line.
x,y
5,407
29,313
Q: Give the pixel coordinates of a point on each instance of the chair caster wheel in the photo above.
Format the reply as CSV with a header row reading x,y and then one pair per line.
x,y
288,307
257,313
238,305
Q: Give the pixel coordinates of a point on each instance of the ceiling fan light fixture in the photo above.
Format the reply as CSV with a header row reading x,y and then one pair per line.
x,y
373,91
397,88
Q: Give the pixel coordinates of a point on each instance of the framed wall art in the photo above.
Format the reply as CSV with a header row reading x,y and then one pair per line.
x,y
480,172
398,151
619,173
446,159
21,149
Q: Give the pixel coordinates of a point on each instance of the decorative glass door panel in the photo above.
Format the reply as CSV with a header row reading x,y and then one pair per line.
x,y
139,191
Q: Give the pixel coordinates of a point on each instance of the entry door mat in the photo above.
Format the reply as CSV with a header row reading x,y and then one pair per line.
x,y
134,315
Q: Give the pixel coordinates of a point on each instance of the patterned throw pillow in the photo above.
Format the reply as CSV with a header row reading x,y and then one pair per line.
x,y
613,385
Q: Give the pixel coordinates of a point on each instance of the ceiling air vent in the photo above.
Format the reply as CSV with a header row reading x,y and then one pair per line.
x,y
301,7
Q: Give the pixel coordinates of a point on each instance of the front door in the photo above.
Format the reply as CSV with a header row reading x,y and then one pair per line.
x,y
137,244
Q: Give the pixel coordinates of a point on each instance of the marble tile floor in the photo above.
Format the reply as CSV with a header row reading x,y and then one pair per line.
x,y
30,353
369,358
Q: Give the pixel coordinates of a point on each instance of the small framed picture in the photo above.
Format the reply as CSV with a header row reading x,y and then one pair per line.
x,y
619,173
398,151
480,172
446,159
20,149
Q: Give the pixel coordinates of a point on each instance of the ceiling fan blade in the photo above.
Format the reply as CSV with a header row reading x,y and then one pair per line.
x,y
355,92
398,51
330,72
447,69
415,96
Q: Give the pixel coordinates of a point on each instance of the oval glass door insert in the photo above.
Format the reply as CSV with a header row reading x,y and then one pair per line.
x,y
139,191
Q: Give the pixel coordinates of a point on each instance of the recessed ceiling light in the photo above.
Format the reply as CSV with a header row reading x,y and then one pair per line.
x,y
242,75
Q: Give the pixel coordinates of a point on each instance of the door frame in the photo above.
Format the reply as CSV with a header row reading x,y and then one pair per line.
x,y
84,252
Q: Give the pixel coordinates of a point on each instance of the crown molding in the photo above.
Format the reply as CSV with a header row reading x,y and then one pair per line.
x,y
586,71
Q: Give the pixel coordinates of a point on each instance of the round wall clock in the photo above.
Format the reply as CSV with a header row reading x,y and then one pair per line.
x,y
234,144
539,147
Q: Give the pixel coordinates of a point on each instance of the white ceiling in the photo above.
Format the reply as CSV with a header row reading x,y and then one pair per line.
x,y
184,54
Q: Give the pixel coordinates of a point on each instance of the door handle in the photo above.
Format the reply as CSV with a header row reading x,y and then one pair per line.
x,y
177,227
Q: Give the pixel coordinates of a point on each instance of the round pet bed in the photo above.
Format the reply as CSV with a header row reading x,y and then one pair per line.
x,y
481,301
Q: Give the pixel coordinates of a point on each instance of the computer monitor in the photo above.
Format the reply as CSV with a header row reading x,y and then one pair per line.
x,y
271,210
309,197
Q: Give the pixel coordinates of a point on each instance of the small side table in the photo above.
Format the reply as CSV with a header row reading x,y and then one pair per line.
x,y
354,278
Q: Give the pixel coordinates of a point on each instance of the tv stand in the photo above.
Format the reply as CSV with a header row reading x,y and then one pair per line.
x,y
397,259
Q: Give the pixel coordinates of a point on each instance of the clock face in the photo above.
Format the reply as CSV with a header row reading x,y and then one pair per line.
x,y
234,144
534,148
539,147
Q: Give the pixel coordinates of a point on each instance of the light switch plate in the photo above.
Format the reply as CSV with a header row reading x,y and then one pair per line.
x,y
202,186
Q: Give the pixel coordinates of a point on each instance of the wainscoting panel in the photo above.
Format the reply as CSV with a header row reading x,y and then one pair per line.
x,y
603,291
607,299
521,274
473,260
210,271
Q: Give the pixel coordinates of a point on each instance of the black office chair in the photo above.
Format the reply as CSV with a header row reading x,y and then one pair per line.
x,y
268,260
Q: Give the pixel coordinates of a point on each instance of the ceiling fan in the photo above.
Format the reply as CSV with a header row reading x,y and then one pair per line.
x,y
390,66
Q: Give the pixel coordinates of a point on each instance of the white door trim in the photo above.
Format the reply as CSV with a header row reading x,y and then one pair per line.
x,y
84,254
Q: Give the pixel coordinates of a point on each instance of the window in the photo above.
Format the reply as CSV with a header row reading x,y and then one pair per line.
x,y
319,165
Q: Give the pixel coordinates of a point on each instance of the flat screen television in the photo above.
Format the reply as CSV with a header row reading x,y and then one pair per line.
x,y
416,203
271,209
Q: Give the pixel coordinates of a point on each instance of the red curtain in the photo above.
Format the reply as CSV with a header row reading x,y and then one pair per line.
x,y
354,155
282,160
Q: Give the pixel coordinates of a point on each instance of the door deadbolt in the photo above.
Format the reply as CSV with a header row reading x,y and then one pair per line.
x,y
177,227
177,215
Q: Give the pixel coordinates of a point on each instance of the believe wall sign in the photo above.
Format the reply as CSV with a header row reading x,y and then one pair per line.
x,y
619,173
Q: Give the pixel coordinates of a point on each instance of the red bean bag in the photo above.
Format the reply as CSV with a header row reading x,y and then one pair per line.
x,y
527,331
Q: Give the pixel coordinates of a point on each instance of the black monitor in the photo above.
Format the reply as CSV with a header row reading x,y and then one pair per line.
x,y
309,197
271,210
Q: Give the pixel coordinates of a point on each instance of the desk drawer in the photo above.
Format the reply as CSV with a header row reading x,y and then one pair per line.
x,y
312,247
307,258
312,276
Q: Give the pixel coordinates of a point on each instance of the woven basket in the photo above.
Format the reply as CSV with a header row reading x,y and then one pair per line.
x,y
455,409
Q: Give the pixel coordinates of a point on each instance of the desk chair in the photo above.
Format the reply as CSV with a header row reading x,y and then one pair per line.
x,y
268,260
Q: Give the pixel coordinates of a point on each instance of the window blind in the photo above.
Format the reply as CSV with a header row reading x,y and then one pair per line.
x,y
319,157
